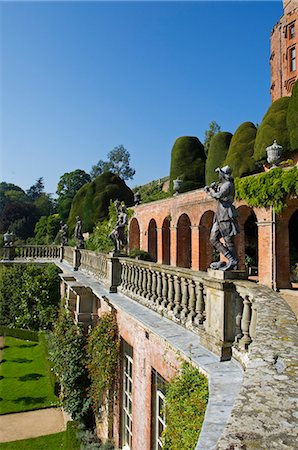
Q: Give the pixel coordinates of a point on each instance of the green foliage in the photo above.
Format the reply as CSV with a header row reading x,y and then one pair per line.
x,y
140,254
36,189
71,440
29,295
104,356
68,355
25,382
50,442
19,333
273,127
69,184
241,150
186,402
118,163
213,130
292,119
46,229
188,163
92,201
217,153
99,239
152,191
268,189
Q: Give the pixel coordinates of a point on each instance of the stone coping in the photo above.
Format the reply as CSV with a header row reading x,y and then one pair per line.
x,y
224,378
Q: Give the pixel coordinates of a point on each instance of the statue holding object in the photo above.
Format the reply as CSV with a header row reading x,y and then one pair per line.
x,y
117,236
78,233
64,233
225,223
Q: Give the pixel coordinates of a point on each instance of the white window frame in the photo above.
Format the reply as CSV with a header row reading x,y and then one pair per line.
x,y
160,397
293,59
127,402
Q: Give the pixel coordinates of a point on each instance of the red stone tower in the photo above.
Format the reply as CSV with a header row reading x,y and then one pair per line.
x,y
284,48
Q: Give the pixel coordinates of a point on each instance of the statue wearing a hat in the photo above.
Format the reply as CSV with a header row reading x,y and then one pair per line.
x,y
225,223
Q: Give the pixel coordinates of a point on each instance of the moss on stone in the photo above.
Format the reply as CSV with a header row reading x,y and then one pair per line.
x,y
188,163
292,119
241,150
92,201
273,127
217,153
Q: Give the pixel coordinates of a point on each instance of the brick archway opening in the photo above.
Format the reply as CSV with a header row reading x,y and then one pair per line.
x,y
293,247
134,235
184,241
251,244
205,246
152,240
166,241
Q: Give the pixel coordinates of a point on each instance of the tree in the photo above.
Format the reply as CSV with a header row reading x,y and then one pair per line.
x,y
36,189
68,186
213,130
218,150
118,163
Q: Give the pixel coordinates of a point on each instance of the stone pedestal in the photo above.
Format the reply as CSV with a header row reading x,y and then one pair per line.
x,y
228,275
8,253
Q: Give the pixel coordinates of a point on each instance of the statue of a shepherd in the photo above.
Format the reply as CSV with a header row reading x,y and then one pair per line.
x,y
225,223
78,233
64,233
117,236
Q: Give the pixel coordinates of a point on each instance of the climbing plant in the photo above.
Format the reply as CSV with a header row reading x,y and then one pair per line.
x,y
186,402
268,189
104,354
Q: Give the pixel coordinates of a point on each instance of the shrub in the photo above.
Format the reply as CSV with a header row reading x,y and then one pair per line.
x,y
140,254
26,335
92,201
292,119
188,163
217,153
186,402
273,126
241,150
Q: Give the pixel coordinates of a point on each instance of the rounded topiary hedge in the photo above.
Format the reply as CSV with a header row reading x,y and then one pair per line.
x,y
188,163
217,153
273,126
92,201
241,150
292,119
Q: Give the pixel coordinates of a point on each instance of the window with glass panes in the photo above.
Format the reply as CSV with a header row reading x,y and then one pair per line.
x,y
292,30
293,59
127,365
158,410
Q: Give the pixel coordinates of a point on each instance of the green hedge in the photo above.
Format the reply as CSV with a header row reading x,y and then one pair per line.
x,y
188,163
26,335
71,440
241,150
217,153
292,119
273,127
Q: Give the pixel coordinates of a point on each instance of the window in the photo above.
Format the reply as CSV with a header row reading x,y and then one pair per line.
x,y
291,31
127,364
293,59
158,416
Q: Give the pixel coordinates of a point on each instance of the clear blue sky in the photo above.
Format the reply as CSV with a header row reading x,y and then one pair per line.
x,y
79,78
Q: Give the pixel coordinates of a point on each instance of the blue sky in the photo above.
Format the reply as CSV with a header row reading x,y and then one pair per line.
x,y
79,78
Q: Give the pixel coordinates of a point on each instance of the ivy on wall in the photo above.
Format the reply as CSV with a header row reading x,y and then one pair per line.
x,y
268,189
104,357
186,402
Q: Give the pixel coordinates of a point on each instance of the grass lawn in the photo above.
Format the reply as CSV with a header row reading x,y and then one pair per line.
x,y
24,378
51,442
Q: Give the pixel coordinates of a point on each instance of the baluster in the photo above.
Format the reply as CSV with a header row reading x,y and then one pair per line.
x,y
135,281
245,322
253,322
131,276
124,276
200,304
177,299
171,292
192,301
153,288
144,284
164,290
184,301
149,284
140,281
159,289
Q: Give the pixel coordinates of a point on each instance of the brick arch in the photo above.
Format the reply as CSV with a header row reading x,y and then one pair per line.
x,y
293,241
205,246
184,241
166,241
152,239
247,241
134,234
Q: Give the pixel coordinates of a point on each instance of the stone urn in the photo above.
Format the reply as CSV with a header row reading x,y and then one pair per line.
x,y
274,154
177,185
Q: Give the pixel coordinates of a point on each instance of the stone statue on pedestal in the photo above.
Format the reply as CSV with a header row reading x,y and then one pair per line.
x,y
117,236
64,233
78,233
225,223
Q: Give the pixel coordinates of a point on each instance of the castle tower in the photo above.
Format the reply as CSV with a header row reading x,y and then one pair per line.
x,y
284,48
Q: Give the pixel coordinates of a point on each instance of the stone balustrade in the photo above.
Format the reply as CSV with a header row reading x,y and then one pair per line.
x,y
68,254
37,251
95,264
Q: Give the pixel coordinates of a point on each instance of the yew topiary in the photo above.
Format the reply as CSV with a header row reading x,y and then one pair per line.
x,y
92,201
273,126
188,163
217,153
292,119
241,150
